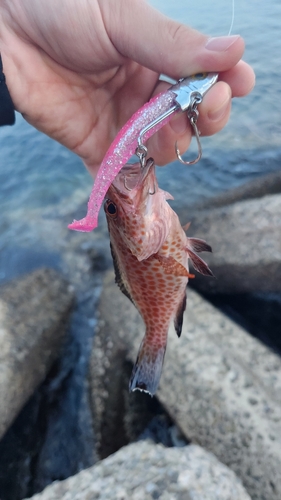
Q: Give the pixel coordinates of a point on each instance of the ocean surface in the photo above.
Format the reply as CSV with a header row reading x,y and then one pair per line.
x,y
36,172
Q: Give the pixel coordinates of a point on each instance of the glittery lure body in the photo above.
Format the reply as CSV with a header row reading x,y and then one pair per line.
x,y
183,96
153,276
120,151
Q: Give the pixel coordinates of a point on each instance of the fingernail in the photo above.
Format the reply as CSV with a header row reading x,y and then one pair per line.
x,y
221,43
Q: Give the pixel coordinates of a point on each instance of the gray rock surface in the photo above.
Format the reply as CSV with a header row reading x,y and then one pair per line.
x,y
257,188
120,417
144,471
246,242
33,314
220,385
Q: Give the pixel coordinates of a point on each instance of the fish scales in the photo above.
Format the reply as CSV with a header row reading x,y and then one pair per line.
x,y
155,280
149,285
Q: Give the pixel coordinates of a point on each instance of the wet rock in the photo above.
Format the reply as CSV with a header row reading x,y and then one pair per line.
x,y
258,313
257,188
33,315
246,242
107,386
119,417
144,471
220,385
18,447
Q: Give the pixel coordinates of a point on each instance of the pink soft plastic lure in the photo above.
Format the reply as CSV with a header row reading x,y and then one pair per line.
x,y
179,97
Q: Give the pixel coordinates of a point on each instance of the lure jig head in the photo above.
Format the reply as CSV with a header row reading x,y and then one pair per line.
x,y
189,93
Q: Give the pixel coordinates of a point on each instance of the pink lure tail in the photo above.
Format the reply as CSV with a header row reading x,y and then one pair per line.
x,y
120,151
148,368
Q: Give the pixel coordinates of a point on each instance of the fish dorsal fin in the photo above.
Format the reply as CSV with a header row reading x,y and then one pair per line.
x,y
198,263
172,266
179,315
118,275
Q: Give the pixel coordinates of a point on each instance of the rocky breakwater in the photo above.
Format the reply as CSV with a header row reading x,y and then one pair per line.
x,y
143,471
243,227
51,437
220,386
33,315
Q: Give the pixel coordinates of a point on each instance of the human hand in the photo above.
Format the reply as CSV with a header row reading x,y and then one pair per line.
x,y
78,70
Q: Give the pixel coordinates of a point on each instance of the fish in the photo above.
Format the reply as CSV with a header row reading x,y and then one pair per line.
x,y
151,253
146,121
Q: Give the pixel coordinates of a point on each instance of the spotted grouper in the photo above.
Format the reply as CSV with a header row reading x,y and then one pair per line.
x,y
150,252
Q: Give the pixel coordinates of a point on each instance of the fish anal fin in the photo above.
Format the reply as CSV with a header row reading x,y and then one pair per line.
x,y
147,369
198,245
118,275
199,264
172,266
179,315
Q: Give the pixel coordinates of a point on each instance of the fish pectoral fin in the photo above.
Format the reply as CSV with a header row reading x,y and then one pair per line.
x,y
148,368
172,266
199,264
179,315
198,245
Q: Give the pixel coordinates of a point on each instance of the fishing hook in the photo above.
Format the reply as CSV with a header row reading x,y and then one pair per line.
x,y
141,153
125,184
189,93
130,189
150,162
193,117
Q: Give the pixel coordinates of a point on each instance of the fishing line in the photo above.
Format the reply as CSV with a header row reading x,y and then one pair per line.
x,y
232,18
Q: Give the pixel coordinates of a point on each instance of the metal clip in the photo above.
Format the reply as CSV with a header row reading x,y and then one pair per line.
x,y
189,92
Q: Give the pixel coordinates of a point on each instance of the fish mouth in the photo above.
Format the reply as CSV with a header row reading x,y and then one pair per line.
x,y
132,176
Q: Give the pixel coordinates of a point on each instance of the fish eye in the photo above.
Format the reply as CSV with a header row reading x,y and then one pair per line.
x,y
110,209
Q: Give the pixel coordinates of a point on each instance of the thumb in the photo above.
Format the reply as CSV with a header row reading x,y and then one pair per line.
x,y
146,36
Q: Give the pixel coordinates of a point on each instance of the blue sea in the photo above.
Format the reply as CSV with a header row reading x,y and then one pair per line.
x,y
39,175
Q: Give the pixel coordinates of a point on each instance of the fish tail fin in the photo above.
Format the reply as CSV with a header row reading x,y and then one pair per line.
x,y
147,369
